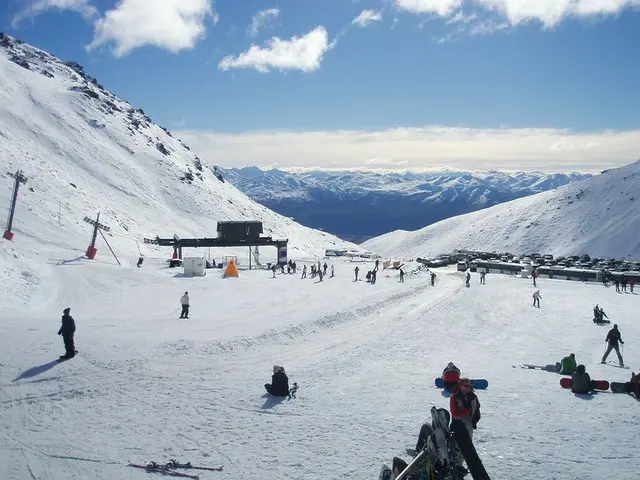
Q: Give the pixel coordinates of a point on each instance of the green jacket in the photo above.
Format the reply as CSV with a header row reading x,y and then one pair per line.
x,y
567,365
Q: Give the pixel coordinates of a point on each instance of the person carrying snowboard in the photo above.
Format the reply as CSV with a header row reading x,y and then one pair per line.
x,y
613,338
465,406
67,330
581,381
184,301
567,365
279,385
536,298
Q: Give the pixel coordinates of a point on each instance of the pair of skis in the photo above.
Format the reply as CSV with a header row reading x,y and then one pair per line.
x,y
170,467
546,368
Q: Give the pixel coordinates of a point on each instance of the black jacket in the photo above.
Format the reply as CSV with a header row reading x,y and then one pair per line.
x,y
68,325
613,337
280,384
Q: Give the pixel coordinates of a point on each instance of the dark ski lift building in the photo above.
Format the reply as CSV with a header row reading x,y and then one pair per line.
x,y
230,234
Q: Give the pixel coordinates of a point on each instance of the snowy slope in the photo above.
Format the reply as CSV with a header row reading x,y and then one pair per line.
x,y
357,205
86,151
147,386
598,216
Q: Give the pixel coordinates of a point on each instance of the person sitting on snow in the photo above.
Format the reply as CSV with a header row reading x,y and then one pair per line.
x,y
279,385
581,381
567,365
450,375
598,315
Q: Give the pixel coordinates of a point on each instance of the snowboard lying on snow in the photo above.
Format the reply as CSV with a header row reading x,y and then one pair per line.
x,y
597,384
477,383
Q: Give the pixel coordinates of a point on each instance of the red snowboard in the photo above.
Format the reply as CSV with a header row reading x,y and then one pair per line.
x,y
597,384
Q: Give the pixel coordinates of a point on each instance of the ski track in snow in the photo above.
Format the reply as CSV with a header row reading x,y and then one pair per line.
x,y
147,386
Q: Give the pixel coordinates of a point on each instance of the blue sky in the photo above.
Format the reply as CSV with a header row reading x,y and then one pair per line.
x,y
570,69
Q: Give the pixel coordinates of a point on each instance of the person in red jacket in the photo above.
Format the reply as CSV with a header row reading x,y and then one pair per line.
x,y
450,375
464,405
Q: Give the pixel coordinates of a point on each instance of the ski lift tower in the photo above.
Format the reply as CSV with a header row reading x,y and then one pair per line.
x,y
19,179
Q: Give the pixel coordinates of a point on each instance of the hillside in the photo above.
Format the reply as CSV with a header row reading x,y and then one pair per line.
x,y
86,151
598,216
357,205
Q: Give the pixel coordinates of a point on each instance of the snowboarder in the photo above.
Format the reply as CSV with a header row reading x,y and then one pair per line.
x,y
581,381
433,279
401,276
567,365
304,272
613,337
140,260
465,406
536,298
483,274
67,330
356,270
184,301
468,279
450,375
279,385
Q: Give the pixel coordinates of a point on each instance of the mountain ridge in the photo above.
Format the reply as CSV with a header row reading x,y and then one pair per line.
x,y
357,204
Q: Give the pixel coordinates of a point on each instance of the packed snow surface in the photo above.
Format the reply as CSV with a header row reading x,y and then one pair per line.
x,y
149,386
598,216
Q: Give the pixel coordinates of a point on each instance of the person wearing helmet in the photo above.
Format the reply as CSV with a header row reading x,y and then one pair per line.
x,y
67,330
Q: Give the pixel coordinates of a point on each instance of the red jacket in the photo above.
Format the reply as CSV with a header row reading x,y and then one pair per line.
x,y
464,408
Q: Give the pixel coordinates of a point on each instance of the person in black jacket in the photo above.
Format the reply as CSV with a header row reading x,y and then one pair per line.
x,y
613,337
279,385
67,330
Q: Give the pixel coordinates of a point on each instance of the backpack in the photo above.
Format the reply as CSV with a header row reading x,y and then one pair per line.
x,y
440,445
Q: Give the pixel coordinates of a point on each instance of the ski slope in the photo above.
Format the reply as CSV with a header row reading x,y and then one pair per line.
x,y
597,216
148,386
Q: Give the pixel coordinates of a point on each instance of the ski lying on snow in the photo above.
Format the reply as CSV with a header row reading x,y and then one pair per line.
x,y
163,470
176,464
548,368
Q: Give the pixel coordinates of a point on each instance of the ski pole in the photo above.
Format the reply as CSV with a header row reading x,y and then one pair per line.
x,y
175,310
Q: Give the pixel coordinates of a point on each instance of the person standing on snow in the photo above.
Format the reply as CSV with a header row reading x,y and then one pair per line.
x,y
356,270
401,276
333,273
468,279
567,365
433,279
304,272
483,274
465,406
536,298
67,330
184,301
613,337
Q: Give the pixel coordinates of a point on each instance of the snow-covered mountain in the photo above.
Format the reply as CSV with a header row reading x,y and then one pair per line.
x,y
599,216
357,205
85,151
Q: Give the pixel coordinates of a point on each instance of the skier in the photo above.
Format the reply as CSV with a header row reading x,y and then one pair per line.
x,y
450,375
468,279
465,406
401,276
536,298
67,331
483,274
567,365
356,270
279,385
184,301
613,337
581,381
304,272
433,279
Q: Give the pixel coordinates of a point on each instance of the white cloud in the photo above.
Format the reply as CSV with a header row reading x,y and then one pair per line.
x,y
461,18
172,25
444,8
303,53
421,148
552,12
366,18
262,19
37,7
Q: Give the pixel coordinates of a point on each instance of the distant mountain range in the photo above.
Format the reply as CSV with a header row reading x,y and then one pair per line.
x,y
357,205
